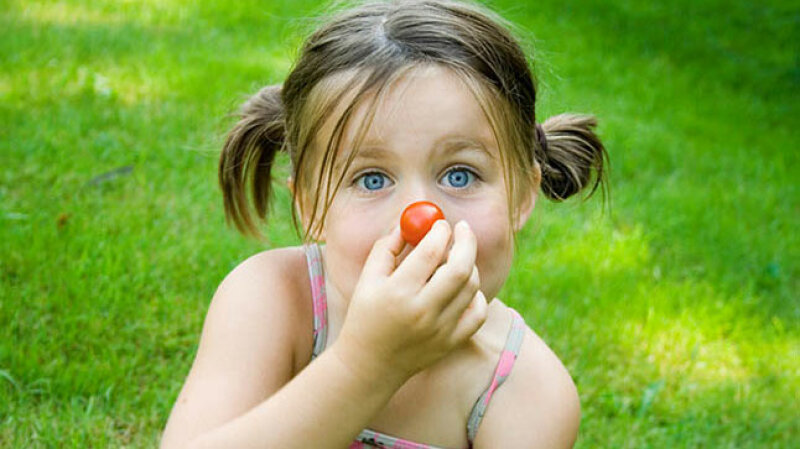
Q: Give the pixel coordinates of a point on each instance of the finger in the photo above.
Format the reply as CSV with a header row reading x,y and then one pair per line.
x,y
451,277
463,298
418,266
471,320
381,259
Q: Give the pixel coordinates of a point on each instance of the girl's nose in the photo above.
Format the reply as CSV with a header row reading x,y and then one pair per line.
x,y
419,191
408,248
418,186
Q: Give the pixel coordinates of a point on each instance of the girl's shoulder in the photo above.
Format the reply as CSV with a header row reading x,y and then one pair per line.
x,y
278,273
538,395
273,285
248,346
279,268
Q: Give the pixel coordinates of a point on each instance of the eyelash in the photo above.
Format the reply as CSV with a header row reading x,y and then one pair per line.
x,y
362,175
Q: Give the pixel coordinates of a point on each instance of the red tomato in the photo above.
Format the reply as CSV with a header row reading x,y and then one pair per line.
x,y
418,219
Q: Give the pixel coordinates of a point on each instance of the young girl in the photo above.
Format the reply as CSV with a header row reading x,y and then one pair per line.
x,y
358,339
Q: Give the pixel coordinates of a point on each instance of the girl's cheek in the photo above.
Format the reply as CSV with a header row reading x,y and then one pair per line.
x,y
356,235
489,223
350,234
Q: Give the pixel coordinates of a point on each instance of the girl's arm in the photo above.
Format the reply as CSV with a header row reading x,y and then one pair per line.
x,y
325,406
238,393
245,356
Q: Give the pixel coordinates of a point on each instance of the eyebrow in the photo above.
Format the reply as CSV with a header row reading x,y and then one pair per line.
x,y
449,146
467,144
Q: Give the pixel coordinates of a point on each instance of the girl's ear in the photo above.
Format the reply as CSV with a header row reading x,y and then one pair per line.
x,y
524,210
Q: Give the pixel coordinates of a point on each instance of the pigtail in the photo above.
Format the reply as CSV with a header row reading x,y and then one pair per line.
x,y
247,158
570,152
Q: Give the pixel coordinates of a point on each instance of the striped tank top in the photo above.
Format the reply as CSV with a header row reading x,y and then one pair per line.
x,y
370,438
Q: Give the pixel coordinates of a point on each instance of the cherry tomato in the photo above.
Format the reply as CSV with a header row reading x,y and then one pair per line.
x,y
417,219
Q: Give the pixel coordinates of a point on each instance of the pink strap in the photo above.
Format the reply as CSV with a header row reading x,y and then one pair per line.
x,y
316,275
503,370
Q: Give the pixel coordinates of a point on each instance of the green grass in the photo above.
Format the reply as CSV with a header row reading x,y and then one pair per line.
x,y
676,311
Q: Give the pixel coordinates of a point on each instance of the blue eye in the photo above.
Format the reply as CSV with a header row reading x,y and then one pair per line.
x,y
460,177
371,181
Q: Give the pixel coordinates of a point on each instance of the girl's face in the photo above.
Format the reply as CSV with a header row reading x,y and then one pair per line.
x,y
429,140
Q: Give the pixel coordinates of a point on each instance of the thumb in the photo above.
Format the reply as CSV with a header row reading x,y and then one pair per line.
x,y
381,261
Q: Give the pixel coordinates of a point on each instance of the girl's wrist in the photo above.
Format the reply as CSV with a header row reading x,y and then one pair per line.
x,y
366,368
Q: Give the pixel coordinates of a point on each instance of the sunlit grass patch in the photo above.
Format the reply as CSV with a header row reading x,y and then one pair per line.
x,y
127,85
103,12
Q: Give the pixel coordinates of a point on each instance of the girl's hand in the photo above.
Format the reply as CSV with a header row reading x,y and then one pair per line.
x,y
406,318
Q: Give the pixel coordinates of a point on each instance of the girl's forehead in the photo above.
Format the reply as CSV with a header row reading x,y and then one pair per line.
x,y
423,105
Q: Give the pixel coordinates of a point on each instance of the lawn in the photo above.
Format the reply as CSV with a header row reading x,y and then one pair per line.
x,y
675,307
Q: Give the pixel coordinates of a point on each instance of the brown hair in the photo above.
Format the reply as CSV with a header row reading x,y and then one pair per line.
x,y
355,57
